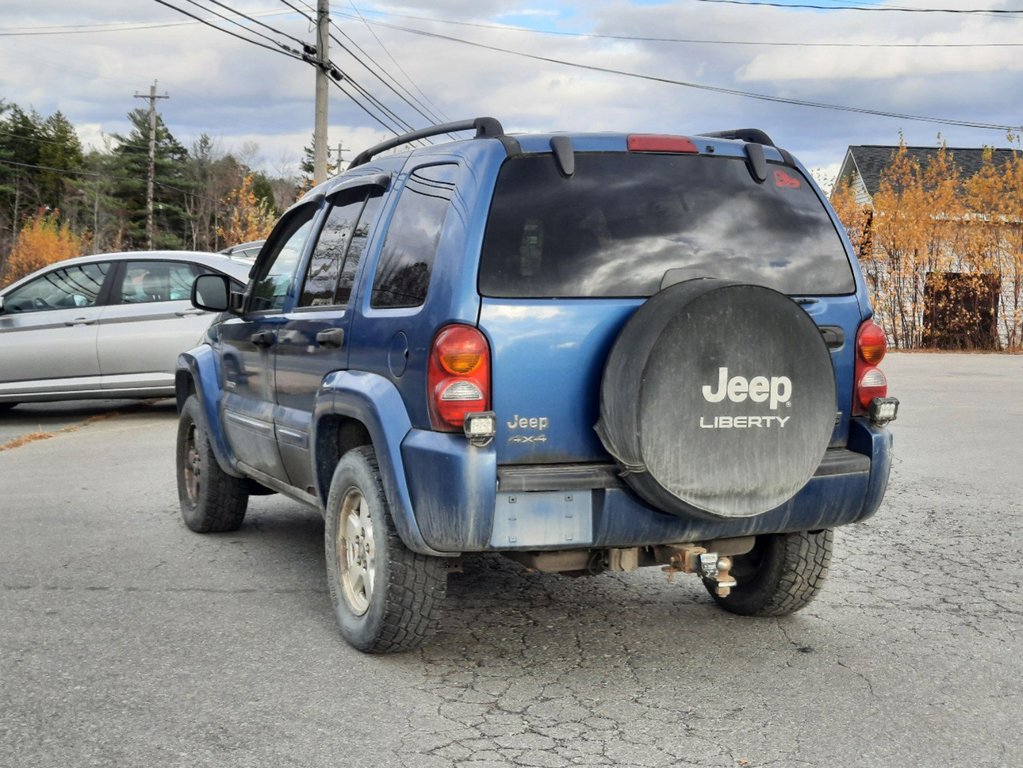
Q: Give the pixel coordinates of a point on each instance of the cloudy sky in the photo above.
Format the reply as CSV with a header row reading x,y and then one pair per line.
x,y
681,67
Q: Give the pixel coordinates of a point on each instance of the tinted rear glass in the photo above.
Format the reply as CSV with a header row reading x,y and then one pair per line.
x,y
626,223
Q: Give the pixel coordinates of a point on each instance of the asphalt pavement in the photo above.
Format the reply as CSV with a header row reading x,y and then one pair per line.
x,y
126,640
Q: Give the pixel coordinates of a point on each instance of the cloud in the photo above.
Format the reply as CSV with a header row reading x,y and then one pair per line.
x,y
241,94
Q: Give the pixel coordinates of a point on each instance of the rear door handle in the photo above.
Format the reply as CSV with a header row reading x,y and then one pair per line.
x,y
332,337
263,338
80,321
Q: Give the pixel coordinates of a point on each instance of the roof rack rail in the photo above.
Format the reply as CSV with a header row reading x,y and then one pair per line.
x,y
752,135
485,127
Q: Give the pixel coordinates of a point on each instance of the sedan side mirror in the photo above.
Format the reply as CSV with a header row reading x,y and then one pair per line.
x,y
211,292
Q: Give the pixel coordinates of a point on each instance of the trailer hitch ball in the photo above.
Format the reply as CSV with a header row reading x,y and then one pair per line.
x,y
710,566
717,570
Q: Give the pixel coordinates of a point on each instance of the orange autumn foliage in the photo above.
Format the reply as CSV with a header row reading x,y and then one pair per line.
x,y
42,241
928,222
249,218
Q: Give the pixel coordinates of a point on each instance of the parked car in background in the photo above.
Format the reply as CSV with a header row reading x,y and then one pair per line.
x,y
244,250
109,325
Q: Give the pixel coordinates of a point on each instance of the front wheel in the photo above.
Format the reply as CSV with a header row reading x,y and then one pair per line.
x,y
386,597
782,574
212,501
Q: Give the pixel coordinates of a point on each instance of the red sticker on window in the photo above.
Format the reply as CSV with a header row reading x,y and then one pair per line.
x,y
783,180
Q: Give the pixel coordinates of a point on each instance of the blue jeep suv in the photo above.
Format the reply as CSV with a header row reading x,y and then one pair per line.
x,y
587,352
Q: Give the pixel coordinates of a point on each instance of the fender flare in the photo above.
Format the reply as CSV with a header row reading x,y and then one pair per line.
x,y
375,402
197,370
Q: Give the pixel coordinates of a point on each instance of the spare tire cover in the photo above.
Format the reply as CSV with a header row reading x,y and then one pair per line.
x,y
718,398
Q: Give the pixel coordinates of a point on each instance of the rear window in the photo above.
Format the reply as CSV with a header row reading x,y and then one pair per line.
x,y
626,223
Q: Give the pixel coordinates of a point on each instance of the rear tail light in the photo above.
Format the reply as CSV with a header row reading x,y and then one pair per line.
x,y
871,382
458,377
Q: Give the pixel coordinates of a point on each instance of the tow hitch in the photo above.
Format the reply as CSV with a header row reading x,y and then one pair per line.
x,y
712,567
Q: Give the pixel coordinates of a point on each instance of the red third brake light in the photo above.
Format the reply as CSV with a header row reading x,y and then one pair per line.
x,y
657,143
458,378
871,346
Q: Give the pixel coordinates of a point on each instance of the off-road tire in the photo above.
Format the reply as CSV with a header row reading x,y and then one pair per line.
x,y
782,574
386,597
212,501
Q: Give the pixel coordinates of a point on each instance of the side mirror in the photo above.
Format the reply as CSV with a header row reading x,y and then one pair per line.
x,y
211,292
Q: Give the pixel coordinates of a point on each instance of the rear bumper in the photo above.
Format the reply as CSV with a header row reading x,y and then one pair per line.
x,y
463,502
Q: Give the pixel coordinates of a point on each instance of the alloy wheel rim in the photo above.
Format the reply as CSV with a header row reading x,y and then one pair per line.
x,y
356,551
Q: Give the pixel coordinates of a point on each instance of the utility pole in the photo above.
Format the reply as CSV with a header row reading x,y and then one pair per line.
x,y
322,63
152,157
340,148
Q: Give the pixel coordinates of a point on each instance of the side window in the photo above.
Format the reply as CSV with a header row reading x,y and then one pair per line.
x,y
276,272
358,246
148,281
408,253
321,279
64,288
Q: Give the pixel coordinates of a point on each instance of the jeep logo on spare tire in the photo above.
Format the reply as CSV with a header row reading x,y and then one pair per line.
x,y
759,389
718,398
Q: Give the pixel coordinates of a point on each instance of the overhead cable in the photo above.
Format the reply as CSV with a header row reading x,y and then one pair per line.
x,y
709,88
663,39
875,8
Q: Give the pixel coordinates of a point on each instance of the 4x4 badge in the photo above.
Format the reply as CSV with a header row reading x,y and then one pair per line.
x,y
528,439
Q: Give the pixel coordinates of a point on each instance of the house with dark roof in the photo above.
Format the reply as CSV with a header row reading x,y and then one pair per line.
x,y
974,308
864,164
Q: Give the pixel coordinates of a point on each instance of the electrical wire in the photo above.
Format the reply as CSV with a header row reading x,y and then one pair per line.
x,y
876,8
681,40
406,99
257,21
282,49
442,117
709,88
237,23
90,29
104,176
208,23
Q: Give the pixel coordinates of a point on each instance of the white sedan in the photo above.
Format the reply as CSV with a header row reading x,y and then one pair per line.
x,y
103,326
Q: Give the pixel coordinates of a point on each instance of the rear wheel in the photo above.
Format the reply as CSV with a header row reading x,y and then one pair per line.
x,y
782,574
212,501
386,597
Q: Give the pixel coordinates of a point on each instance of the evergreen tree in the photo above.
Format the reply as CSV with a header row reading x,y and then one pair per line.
x,y
171,184
21,136
61,151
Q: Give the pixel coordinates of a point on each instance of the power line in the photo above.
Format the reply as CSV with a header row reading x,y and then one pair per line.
x,y
875,8
247,29
257,21
89,29
102,176
283,50
710,88
346,49
400,68
682,40
305,56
